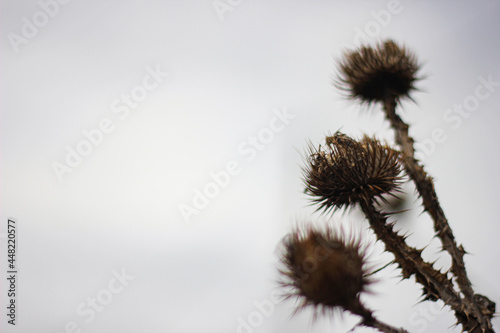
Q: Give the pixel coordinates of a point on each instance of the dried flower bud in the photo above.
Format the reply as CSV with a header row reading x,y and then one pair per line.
x,y
347,171
324,270
372,74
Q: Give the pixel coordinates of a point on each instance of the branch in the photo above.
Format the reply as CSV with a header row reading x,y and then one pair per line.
x,y
425,187
436,284
370,321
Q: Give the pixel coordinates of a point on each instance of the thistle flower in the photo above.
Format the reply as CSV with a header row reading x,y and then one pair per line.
x,y
373,74
325,271
347,172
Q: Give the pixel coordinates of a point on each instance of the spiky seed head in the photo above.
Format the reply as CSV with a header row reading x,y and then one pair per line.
x,y
346,172
373,74
324,270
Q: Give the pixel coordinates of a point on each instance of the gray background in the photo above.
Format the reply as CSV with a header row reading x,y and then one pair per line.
x,y
119,209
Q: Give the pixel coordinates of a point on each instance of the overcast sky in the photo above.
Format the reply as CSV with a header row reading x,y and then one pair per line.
x,y
151,155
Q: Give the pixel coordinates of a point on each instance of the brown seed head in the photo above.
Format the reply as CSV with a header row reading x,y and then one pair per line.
x,y
346,171
372,74
324,270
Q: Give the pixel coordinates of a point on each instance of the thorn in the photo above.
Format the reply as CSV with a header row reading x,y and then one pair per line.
x,y
461,249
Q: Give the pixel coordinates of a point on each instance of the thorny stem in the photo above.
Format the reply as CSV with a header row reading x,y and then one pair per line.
x,y
425,187
370,321
383,327
436,284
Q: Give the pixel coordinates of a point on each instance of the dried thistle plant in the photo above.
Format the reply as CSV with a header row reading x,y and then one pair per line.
x,y
359,173
326,271
347,172
372,74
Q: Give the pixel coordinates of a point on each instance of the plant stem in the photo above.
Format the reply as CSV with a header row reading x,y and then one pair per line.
x,y
436,284
425,187
383,327
370,321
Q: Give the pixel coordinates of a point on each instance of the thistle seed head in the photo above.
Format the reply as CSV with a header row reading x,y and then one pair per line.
x,y
346,172
373,74
324,270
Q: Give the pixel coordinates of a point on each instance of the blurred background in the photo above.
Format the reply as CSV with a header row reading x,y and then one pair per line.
x,y
151,154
